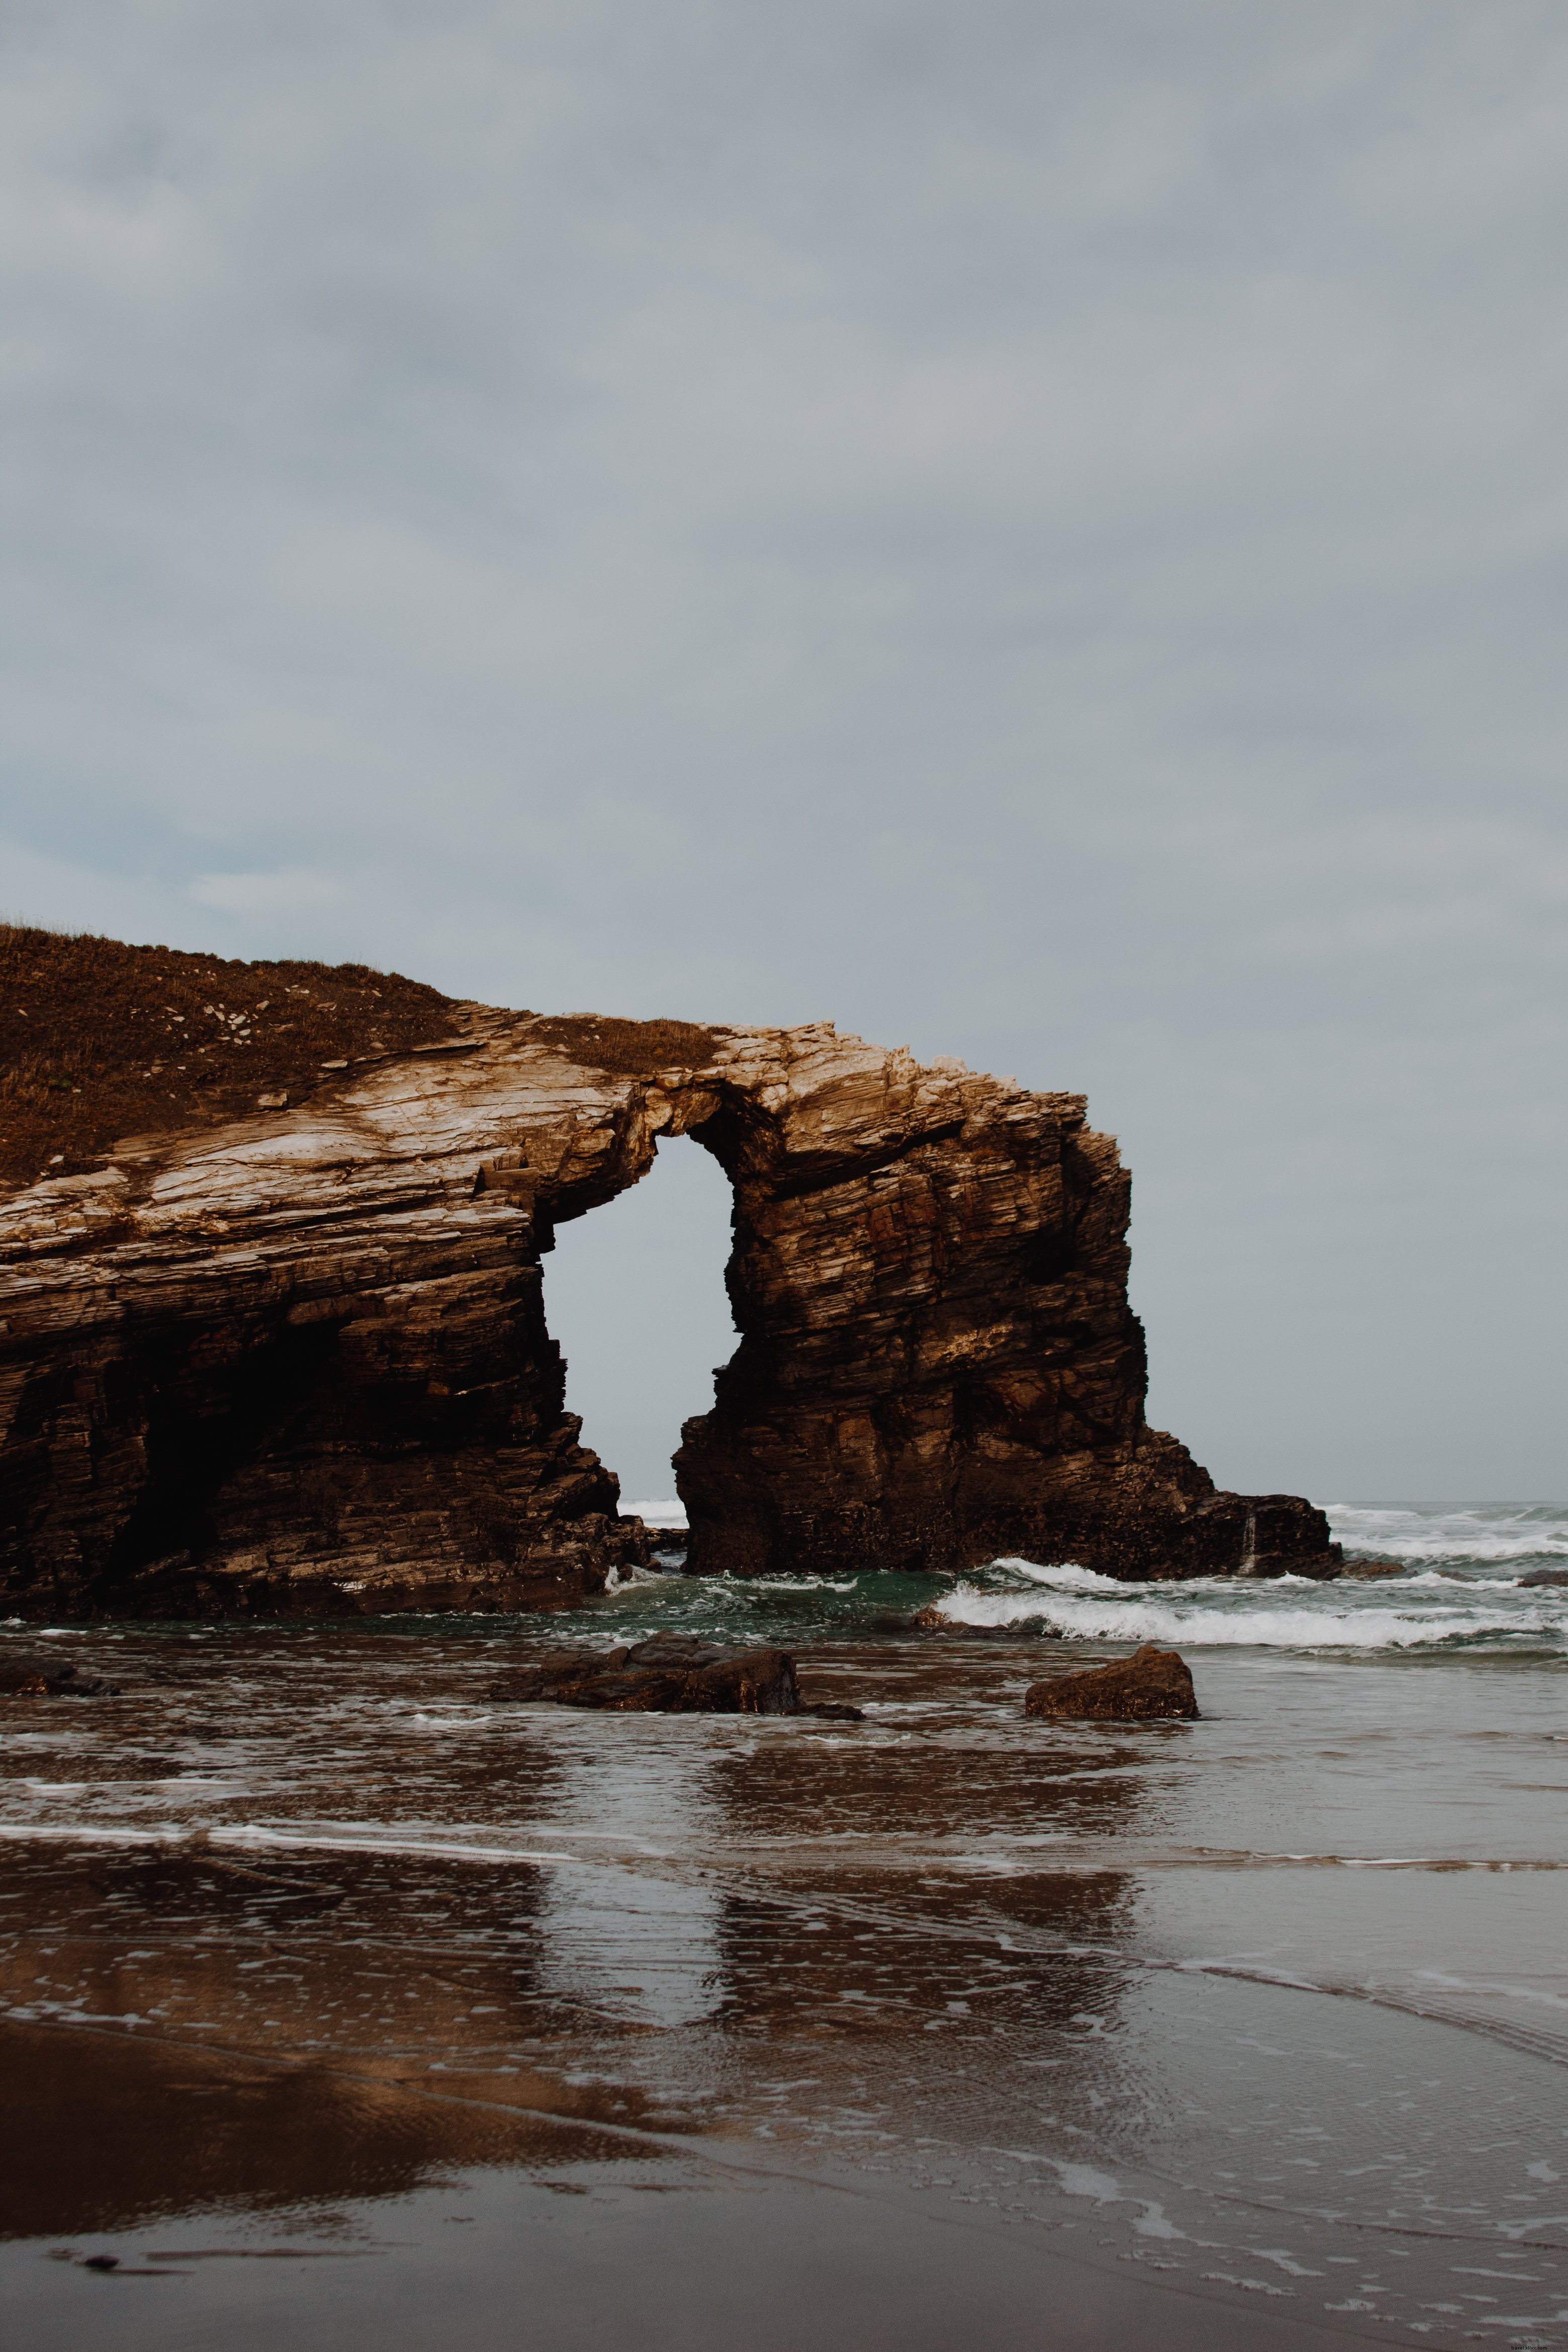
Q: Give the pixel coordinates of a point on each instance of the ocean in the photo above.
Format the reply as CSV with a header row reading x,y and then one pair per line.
x,y
340,1992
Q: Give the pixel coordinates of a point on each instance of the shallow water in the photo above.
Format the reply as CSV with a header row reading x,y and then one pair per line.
x,y
314,1939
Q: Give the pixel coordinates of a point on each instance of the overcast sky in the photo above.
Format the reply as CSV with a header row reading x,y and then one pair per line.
x,y
1034,531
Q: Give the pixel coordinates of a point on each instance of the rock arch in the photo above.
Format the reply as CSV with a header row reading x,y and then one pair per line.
x,y
301,1363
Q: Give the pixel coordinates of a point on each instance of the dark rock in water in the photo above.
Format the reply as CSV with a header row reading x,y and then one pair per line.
x,y
1545,1576
1151,1683
34,1677
1374,1566
293,1360
670,1673
834,1714
668,1538
25,1678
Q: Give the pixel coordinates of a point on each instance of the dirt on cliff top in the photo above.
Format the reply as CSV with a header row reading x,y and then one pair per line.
x,y
634,1049
100,1040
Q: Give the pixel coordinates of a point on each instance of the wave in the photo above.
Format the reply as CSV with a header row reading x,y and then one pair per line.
x,y
1195,1620
1063,1575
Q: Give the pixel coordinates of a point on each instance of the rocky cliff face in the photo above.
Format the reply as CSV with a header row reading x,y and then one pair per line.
x,y
300,1362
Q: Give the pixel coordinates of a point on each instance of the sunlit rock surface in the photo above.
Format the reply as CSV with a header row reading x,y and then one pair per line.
x,y
300,1362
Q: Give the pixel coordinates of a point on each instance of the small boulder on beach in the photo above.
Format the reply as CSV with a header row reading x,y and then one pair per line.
x,y
1152,1683
669,1673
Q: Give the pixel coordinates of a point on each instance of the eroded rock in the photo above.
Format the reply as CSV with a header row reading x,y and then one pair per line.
x,y
298,1362
1150,1684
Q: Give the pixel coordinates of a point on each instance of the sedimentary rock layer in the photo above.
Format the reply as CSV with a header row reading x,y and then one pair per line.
x,y
299,1362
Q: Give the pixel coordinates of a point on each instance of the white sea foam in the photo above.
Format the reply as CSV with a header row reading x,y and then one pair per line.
x,y
622,1580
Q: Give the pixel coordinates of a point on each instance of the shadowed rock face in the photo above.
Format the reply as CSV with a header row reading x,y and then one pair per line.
x,y
300,1362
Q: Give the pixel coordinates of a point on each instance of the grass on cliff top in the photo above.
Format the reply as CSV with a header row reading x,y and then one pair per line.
x,y
101,1041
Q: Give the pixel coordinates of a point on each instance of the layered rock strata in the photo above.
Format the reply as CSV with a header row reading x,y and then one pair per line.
x,y
299,1362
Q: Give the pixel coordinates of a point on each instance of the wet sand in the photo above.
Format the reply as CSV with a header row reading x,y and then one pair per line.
x,y
338,1995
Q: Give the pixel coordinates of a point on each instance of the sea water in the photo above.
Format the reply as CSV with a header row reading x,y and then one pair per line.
x,y
315,1945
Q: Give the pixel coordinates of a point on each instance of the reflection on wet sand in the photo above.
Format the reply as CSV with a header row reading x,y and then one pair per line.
x,y
120,2132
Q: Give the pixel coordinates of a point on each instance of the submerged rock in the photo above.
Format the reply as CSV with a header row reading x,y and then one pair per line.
x,y
670,1673
1545,1576
36,1677
1150,1684
1374,1566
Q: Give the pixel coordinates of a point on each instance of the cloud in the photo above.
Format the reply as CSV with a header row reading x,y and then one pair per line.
x,y
1037,531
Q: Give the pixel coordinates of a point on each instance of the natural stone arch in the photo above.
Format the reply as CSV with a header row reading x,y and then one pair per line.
x,y
301,1362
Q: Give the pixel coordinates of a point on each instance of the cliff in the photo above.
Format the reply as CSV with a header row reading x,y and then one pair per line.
x,y
297,1359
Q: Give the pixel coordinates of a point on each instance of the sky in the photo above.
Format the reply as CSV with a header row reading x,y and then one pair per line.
x,y
1035,533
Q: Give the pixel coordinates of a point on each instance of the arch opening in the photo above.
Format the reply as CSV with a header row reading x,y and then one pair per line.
x,y
634,1298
